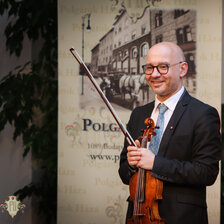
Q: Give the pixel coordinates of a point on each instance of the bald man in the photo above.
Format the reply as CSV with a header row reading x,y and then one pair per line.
x,y
186,158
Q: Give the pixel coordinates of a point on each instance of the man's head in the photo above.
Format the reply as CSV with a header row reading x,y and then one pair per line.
x,y
166,79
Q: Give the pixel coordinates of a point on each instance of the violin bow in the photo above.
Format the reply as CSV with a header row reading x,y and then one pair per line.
x,y
106,101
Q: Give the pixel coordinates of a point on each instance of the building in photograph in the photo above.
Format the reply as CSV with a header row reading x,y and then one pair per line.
x,y
178,26
131,43
94,60
105,52
123,48
121,52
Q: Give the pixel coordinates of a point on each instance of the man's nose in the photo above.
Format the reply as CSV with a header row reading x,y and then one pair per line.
x,y
155,72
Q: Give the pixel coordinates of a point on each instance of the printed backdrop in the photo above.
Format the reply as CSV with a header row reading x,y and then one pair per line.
x,y
120,34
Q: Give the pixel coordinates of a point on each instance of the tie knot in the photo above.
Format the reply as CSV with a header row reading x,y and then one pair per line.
x,y
162,108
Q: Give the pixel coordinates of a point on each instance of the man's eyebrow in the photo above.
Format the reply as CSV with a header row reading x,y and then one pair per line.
x,y
160,63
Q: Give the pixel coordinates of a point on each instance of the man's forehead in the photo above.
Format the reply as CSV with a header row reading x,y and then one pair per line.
x,y
159,57
161,50
162,53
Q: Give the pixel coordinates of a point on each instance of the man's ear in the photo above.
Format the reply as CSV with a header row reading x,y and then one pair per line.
x,y
183,68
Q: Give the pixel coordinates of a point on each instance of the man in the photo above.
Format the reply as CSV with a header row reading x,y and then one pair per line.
x,y
186,160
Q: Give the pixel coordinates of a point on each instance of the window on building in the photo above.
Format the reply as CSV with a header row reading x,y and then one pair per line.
x,y
194,84
191,63
184,35
143,30
119,55
144,49
134,52
158,19
180,36
159,38
179,12
125,53
114,65
133,35
187,34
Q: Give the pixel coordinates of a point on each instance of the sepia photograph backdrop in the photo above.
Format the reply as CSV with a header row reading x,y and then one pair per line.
x,y
113,37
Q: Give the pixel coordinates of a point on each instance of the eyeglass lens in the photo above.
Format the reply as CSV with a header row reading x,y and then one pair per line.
x,y
162,69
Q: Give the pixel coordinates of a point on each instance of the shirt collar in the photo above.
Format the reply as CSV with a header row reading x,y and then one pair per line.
x,y
172,101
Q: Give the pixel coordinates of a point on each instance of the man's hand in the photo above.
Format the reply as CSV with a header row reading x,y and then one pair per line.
x,y
134,154
140,157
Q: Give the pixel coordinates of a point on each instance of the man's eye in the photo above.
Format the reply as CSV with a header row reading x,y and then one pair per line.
x,y
163,66
149,67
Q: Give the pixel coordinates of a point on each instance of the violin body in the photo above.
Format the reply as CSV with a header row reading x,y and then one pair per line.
x,y
146,211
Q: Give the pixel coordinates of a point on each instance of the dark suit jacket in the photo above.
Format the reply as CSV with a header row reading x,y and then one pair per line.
x,y
187,160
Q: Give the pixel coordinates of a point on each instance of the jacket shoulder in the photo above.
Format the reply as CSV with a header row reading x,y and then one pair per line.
x,y
200,106
196,104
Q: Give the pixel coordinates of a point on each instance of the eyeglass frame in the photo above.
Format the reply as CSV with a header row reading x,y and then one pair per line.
x,y
157,67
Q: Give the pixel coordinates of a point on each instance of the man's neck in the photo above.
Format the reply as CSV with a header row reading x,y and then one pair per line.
x,y
164,98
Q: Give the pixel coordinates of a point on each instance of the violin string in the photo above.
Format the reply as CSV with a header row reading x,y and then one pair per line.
x,y
136,207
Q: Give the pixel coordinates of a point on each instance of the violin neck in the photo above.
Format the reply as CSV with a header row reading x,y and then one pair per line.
x,y
141,178
144,142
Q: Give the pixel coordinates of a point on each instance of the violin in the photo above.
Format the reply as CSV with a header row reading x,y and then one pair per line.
x,y
145,190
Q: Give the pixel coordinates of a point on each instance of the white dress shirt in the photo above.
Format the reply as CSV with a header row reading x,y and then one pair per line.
x,y
170,103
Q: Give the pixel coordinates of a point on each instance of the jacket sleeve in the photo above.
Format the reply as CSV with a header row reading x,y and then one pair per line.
x,y
201,168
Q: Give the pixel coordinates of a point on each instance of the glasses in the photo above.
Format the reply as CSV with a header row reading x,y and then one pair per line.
x,y
161,68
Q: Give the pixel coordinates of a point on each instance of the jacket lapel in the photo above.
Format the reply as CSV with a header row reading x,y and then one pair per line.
x,y
175,118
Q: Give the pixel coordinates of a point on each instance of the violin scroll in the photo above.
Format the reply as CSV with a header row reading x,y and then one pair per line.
x,y
150,127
